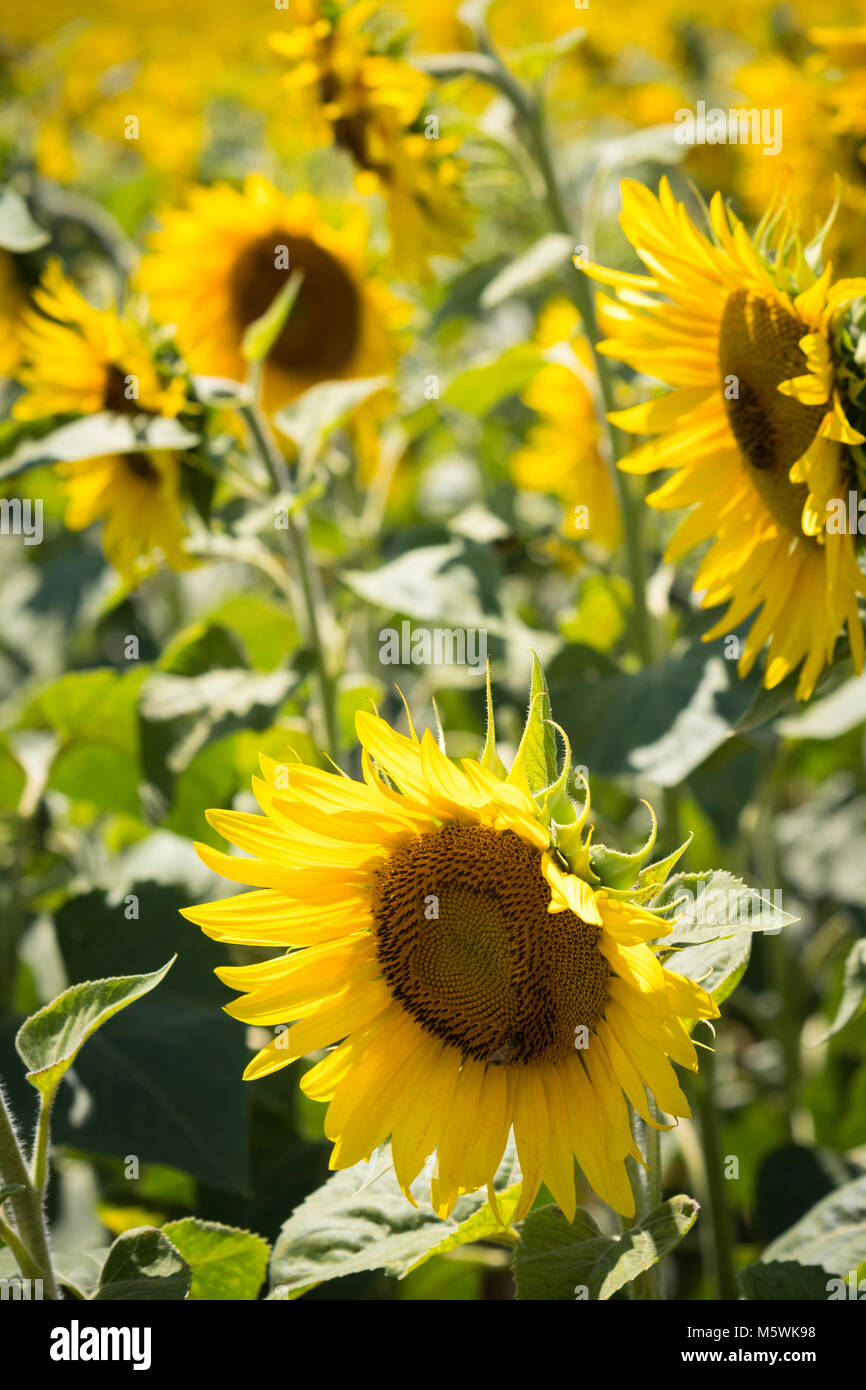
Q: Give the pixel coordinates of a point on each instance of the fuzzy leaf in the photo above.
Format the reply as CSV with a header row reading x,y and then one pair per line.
x,y
49,1041
360,1220
226,1263
554,1259
143,1265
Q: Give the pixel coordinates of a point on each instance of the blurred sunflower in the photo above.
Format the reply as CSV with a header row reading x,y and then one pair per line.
x,y
77,359
755,427
13,300
218,263
371,104
472,979
562,452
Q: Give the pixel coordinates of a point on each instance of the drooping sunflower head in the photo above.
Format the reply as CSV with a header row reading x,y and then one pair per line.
x,y
757,426
78,359
347,87
470,971
219,262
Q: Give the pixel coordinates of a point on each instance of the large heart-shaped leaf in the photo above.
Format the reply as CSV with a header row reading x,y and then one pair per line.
x,y
360,1220
560,1261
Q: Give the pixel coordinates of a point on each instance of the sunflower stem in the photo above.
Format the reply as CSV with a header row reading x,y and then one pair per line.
x,y
29,1241
531,114
646,1184
297,542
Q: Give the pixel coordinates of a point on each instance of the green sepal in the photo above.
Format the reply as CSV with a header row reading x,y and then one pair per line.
x,y
490,759
651,878
534,766
619,870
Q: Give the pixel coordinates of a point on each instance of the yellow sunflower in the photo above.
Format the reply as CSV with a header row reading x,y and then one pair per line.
x,y
755,427
372,105
77,359
453,941
218,263
562,453
13,299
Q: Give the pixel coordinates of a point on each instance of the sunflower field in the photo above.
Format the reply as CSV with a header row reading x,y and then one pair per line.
x,y
432,704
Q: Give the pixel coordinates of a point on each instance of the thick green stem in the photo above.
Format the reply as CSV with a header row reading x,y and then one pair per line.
x,y
299,553
646,1184
31,1233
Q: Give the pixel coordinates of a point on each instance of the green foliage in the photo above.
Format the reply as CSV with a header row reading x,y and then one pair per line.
x,y
558,1261
226,1264
49,1042
360,1220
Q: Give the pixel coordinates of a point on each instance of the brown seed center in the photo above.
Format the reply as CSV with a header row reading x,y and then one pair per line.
x,y
322,331
758,349
467,945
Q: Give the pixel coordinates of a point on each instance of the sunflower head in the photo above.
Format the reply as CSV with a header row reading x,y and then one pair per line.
x,y
757,426
219,263
469,959
355,93
78,359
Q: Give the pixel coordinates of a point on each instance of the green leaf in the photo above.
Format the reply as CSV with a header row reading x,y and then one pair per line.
x,y
181,715
659,723
544,258
715,904
165,1079
853,999
322,409
49,1041
98,435
13,778
791,1179
93,714
785,1280
534,766
478,389
143,1266
226,1263
259,337
18,232
201,648
76,1270
832,1234
9,1189
556,1261
360,1220
830,717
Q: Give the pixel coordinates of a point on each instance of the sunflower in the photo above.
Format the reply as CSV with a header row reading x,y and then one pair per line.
x,y
746,333
562,452
451,937
372,105
218,263
77,359
13,299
